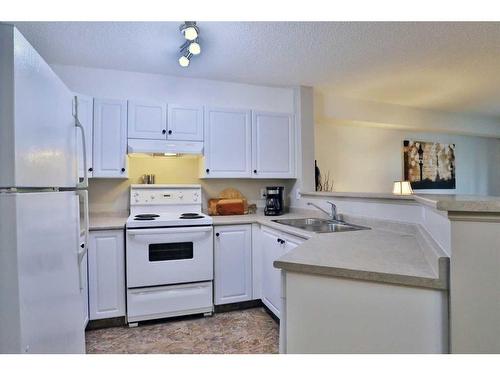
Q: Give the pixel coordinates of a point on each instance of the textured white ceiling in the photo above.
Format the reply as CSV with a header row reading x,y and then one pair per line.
x,y
444,66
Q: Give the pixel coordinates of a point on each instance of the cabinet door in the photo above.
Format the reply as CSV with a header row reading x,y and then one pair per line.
x,y
274,245
273,145
106,274
110,138
147,120
233,263
185,123
272,249
227,143
86,117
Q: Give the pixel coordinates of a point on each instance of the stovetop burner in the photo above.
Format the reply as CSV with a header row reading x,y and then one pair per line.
x,y
146,216
190,214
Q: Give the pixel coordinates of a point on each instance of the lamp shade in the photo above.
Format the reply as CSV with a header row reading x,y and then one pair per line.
x,y
402,188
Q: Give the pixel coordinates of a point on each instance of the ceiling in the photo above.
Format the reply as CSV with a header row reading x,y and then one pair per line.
x,y
443,66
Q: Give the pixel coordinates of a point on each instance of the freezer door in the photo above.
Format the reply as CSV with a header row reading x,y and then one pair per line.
x,y
38,135
41,309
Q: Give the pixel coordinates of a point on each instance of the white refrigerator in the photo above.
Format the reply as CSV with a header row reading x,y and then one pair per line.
x,y
43,206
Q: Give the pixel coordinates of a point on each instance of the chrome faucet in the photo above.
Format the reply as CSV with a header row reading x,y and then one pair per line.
x,y
333,214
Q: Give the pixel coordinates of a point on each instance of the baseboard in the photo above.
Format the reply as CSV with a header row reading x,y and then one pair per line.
x,y
238,306
106,323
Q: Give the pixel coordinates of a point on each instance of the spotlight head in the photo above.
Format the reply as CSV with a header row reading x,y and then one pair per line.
x,y
194,47
189,30
184,60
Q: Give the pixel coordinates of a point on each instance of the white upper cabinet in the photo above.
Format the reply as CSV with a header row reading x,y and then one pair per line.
x,y
227,143
233,263
273,145
147,120
110,138
85,115
185,123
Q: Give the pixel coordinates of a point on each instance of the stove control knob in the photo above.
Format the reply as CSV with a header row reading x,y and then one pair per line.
x,y
181,196
195,198
152,197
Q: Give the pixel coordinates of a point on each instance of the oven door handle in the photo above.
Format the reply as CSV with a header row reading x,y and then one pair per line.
x,y
177,230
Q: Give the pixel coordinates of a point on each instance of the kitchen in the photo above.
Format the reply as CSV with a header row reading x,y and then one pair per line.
x,y
199,220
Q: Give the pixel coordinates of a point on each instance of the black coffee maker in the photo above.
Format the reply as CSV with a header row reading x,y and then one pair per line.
x,y
274,201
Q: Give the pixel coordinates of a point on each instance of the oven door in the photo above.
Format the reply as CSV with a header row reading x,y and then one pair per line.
x,y
161,256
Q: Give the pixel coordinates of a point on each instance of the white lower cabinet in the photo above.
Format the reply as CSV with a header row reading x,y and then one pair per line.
x,y
233,263
273,244
106,274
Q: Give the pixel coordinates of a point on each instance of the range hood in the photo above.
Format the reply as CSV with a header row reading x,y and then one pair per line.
x,y
155,146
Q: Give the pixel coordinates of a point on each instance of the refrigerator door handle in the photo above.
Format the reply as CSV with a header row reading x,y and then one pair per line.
x,y
83,248
85,183
83,251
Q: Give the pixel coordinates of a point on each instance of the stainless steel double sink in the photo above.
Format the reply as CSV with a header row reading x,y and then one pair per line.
x,y
320,225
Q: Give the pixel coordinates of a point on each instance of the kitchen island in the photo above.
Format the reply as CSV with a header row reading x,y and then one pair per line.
x,y
369,292
383,290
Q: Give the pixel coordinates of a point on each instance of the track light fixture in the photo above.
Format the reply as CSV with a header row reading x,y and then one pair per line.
x,y
191,46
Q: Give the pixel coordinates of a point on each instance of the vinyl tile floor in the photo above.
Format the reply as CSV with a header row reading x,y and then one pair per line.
x,y
250,331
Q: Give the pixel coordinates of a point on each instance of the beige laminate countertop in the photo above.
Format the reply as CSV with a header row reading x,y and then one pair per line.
x,y
371,255
107,221
441,202
460,203
389,252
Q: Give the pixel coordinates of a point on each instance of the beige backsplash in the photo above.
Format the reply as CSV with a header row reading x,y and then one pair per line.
x,y
112,195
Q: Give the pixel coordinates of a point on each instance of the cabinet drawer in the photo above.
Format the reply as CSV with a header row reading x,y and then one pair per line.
x,y
166,301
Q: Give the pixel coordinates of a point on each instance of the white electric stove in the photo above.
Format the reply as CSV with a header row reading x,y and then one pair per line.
x,y
169,253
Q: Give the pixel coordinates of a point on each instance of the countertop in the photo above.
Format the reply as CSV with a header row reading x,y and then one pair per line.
x,y
107,220
460,203
390,252
441,202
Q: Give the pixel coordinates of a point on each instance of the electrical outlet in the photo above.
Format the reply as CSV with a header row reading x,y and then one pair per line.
x,y
262,193
297,194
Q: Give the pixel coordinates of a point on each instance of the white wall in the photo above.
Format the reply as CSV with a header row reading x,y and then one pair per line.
x,y
328,107
116,84
361,158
